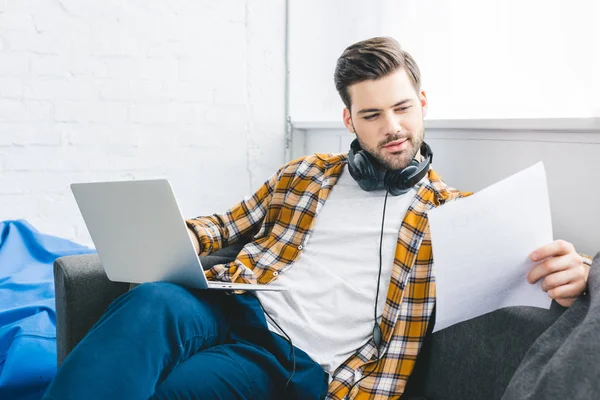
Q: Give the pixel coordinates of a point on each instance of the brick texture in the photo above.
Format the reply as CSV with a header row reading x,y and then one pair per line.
x,y
189,90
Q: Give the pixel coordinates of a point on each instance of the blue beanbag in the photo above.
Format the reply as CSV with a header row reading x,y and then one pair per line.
x,y
27,312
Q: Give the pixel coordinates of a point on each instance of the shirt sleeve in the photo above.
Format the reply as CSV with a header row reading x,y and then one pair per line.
x,y
244,219
588,260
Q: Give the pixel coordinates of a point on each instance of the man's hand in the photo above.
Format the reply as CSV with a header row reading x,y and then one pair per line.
x,y
194,240
563,271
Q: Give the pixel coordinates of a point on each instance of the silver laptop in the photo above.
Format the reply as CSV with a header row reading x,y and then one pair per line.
x,y
141,235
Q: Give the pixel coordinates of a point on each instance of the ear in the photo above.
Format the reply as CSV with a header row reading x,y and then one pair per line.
x,y
347,117
424,102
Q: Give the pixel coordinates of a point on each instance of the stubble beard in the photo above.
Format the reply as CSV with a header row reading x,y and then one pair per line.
x,y
397,160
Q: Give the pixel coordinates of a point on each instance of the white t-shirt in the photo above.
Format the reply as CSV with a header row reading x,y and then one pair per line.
x,y
328,311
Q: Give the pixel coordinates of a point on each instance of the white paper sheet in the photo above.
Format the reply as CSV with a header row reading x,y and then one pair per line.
x,y
481,247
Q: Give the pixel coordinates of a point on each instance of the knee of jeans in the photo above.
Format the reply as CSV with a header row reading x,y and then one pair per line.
x,y
154,296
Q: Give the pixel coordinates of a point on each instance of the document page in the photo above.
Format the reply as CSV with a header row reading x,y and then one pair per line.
x,y
481,246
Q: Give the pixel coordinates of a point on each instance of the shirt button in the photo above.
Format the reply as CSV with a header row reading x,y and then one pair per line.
x,y
275,273
300,247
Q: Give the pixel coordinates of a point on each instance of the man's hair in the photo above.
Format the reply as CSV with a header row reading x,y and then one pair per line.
x,y
372,59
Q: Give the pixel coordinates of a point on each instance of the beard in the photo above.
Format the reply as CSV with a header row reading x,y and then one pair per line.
x,y
397,160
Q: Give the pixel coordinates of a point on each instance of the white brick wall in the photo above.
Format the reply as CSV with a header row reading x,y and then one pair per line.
x,y
189,90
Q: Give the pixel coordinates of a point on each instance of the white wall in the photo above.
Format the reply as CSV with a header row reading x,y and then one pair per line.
x,y
474,158
488,64
109,90
479,59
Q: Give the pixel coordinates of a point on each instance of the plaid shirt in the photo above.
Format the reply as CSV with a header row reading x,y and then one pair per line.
x,y
277,222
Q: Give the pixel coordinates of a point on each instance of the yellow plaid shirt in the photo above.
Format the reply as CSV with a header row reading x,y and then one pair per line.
x,y
276,222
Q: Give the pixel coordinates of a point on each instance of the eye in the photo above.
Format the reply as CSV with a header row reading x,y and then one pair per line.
x,y
370,117
403,108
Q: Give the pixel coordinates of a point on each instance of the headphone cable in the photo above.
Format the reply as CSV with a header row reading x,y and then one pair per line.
x,y
288,339
377,336
376,328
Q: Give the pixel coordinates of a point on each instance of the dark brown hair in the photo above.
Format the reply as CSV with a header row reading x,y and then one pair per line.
x,y
372,59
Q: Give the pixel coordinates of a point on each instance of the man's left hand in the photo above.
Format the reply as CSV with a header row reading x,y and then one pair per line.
x,y
562,269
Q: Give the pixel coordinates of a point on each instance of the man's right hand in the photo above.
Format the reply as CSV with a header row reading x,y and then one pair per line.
x,y
194,240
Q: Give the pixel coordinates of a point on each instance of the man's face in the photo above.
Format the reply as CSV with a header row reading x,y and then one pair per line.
x,y
387,118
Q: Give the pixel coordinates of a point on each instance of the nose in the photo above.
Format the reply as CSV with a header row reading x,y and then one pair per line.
x,y
392,124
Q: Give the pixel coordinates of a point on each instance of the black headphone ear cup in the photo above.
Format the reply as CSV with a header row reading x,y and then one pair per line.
x,y
395,181
369,177
361,168
352,167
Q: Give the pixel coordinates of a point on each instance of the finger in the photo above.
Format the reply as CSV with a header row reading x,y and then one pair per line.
x,y
556,248
547,267
562,278
566,301
566,291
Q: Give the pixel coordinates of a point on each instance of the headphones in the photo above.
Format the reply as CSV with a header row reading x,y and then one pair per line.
x,y
362,168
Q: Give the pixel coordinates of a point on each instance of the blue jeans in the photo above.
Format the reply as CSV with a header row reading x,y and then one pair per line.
x,y
163,341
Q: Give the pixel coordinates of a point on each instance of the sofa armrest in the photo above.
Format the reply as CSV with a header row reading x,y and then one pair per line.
x,y
477,358
83,292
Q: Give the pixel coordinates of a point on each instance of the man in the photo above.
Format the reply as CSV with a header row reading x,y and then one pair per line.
x,y
347,233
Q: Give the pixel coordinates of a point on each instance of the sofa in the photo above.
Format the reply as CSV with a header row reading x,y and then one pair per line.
x,y
475,359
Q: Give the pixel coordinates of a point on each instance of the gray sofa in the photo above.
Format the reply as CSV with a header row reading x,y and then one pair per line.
x,y
472,360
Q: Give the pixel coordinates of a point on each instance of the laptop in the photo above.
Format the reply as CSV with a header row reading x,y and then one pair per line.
x,y
141,236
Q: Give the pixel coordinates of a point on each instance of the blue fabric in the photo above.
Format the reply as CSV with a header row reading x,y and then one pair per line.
x,y
163,341
27,311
